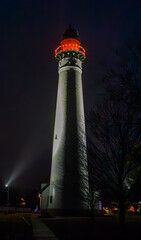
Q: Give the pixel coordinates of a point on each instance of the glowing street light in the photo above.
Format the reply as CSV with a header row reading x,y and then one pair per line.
x,y
7,186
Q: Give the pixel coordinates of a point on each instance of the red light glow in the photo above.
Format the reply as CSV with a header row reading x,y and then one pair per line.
x,y
70,44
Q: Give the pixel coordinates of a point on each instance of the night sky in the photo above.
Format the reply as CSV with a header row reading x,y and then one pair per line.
x,y
30,30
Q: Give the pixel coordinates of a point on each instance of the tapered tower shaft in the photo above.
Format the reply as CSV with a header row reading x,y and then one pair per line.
x,y
69,180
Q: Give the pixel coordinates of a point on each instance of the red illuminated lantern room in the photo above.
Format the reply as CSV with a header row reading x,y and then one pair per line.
x,y
70,42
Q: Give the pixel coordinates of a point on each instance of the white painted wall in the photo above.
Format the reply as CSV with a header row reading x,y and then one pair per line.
x,y
69,132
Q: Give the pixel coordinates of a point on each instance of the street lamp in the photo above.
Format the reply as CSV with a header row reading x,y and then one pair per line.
x,y
7,186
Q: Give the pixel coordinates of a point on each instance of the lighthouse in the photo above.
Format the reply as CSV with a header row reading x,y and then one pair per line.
x,y
69,177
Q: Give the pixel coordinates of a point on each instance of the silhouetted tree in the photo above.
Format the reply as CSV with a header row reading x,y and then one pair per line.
x,y
122,81
112,134
134,180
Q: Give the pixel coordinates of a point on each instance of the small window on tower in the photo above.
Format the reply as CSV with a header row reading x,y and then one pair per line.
x,y
56,136
50,199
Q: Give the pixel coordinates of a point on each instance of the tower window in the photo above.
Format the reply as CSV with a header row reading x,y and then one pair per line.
x,y
50,199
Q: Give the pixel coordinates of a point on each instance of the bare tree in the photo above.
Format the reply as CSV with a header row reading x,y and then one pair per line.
x,y
122,81
113,132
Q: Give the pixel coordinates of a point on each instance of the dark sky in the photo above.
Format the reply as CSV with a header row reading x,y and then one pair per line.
x,y
30,30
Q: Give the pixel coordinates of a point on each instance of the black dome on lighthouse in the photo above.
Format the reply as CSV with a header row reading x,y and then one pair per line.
x,y
71,33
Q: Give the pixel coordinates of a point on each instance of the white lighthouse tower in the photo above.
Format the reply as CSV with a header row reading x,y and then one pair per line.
x,y
69,178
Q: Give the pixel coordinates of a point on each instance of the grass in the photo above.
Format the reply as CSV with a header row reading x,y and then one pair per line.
x,y
13,227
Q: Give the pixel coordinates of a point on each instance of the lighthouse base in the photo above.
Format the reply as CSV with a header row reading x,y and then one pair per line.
x,y
68,212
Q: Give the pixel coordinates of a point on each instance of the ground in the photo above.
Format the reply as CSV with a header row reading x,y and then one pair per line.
x,y
102,228
15,226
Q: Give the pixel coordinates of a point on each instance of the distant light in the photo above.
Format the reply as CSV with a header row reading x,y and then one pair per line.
x,y
128,187
132,209
22,203
22,199
100,205
36,210
6,185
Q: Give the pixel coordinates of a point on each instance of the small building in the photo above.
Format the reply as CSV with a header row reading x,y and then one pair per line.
x,y
44,195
